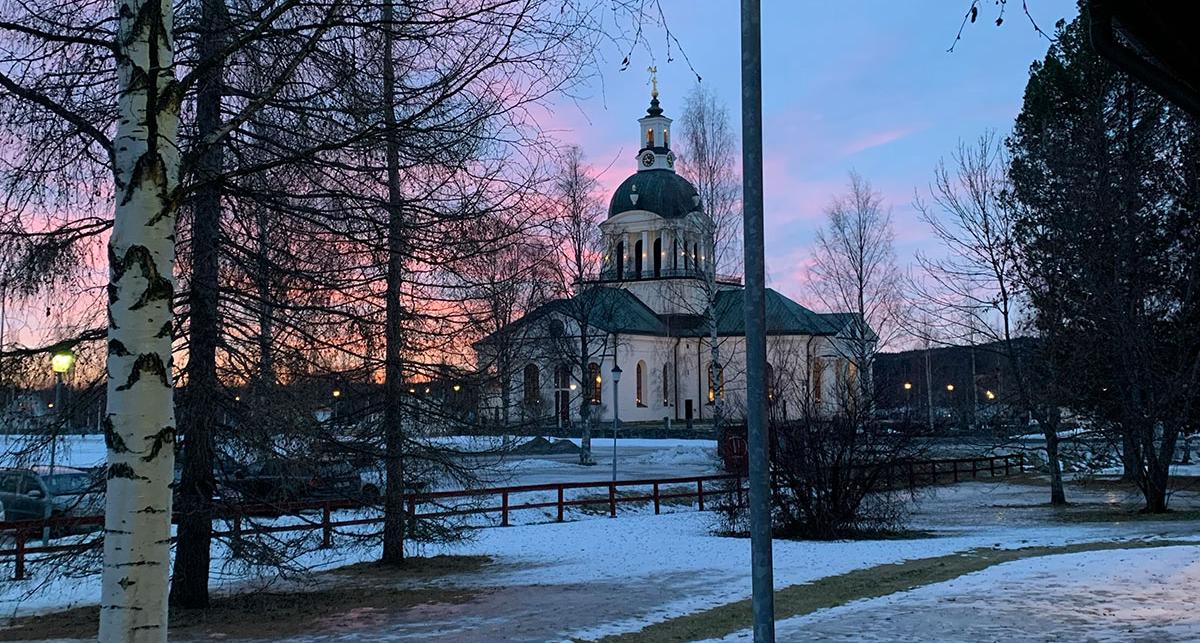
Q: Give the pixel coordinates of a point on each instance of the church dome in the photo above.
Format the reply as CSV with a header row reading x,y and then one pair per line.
x,y
662,192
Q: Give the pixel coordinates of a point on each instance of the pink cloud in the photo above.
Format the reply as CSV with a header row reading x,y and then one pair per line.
x,y
877,139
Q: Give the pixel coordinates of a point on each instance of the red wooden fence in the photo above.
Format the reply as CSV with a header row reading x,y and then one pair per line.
x,y
918,472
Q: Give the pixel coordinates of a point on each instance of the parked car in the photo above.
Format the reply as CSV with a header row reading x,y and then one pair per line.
x,y
42,492
274,481
224,470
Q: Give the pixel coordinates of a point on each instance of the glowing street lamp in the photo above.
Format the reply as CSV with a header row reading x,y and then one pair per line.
x,y
990,395
950,387
61,362
908,386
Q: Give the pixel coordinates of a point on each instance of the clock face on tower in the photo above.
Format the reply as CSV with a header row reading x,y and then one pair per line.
x,y
648,159
670,159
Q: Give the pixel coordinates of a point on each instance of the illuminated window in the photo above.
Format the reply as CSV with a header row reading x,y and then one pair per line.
x,y
650,138
716,383
666,137
595,380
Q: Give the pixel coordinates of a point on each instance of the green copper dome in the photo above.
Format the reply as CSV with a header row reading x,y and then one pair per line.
x,y
662,192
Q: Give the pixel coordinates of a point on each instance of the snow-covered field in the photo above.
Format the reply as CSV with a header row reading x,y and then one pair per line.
x,y
1117,595
620,575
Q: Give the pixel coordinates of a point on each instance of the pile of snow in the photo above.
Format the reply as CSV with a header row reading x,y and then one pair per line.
x,y
678,455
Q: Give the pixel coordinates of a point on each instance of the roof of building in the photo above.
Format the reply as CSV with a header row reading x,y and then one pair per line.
x,y
616,310
662,192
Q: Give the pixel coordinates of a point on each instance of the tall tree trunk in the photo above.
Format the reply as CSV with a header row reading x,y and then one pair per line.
x,y
189,585
140,423
1058,496
585,402
394,521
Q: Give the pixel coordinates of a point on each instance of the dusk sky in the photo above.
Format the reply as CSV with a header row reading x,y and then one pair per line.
x,y
863,85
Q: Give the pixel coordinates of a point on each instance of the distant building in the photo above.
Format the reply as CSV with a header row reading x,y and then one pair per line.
x,y
647,312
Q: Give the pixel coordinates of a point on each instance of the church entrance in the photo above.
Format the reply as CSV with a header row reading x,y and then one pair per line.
x,y
687,412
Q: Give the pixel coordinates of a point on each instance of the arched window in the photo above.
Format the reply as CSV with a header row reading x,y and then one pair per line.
x,y
770,385
562,392
658,257
620,258
533,392
675,253
649,137
716,383
818,380
695,256
666,137
637,259
687,258
666,385
640,398
594,380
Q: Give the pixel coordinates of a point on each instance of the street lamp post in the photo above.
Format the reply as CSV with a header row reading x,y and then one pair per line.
x,y
60,363
616,375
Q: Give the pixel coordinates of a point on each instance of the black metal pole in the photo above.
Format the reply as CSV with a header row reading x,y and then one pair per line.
x,y
756,342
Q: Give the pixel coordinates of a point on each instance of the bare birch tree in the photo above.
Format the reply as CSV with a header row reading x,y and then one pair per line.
x,y
854,271
708,158
974,291
140,423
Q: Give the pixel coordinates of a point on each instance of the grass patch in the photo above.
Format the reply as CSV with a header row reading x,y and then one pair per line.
x,y
1119,514
357,593
881,580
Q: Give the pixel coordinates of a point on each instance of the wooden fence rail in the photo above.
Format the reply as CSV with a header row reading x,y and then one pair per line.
x,y
661,490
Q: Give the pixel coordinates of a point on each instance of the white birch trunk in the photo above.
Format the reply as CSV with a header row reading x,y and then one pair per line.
x,y
140,422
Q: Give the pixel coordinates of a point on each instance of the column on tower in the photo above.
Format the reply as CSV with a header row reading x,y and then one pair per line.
x,y
631,256
665,235
647,261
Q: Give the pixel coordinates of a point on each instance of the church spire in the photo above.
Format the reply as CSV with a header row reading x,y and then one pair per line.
x,y
655,109
654,129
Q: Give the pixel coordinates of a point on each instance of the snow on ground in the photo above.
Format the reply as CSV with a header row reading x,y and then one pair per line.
x,y
1116,595
71,451
641,568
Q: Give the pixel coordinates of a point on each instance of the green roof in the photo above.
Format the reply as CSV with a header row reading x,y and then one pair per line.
x,y
784,316
616,310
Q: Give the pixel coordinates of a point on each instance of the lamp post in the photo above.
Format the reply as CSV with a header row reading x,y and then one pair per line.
x,y
60,363
616,375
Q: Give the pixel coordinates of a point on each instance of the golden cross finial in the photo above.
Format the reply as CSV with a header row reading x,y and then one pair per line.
x,y
653,80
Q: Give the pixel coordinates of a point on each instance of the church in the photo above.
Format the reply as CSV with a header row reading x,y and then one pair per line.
x,y
647,324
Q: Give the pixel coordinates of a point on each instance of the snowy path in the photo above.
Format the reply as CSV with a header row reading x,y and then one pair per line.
x,y
1118,595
